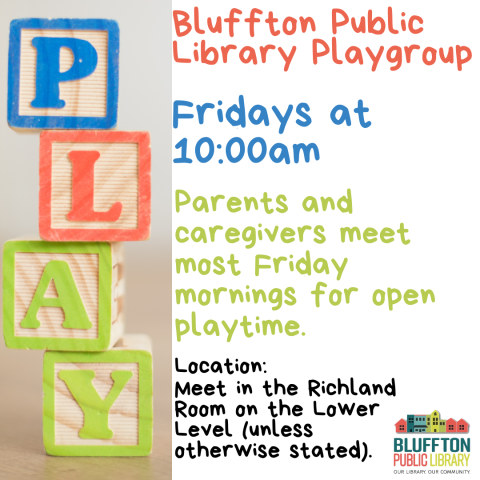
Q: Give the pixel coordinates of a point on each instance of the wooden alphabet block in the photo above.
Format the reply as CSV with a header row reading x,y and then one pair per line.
x,y
63,73
95,186
99,404
62,296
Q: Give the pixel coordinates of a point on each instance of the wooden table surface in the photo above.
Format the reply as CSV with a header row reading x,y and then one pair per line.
x,y
21,446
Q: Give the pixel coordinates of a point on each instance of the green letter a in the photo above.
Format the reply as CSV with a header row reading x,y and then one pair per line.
x,y
79,382
68,298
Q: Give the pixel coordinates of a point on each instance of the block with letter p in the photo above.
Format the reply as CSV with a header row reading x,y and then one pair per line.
x,y
63,73
99,404
62,296
95,186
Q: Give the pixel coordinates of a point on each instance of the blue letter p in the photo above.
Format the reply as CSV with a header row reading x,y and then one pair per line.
x,y
48,67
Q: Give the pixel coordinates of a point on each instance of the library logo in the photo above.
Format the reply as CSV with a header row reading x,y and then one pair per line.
x,y
430,454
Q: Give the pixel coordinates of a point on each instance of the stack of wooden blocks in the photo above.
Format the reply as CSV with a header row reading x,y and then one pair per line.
x,y
64,292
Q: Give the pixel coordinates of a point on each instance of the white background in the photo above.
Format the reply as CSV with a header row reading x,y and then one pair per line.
x,y
416,164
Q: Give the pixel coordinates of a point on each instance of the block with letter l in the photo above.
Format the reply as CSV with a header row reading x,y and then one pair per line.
x,y
95,186
99,403
63,73
62,296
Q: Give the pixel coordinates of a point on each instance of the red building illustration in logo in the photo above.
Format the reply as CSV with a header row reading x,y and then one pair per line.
x,y
462,426
451,425
401,426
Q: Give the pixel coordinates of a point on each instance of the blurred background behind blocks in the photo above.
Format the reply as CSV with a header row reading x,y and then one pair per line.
x,y
144,104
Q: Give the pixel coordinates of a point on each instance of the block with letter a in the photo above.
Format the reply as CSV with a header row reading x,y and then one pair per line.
x,y
63,73
62,296
95,186
99,404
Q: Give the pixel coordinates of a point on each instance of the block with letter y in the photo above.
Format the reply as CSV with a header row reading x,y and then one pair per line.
x,y
99,403
62,296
